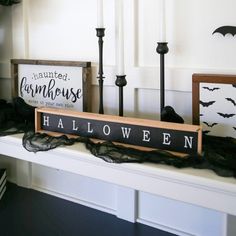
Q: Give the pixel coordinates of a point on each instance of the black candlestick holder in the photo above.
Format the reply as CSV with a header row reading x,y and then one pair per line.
x,y
100,35
162,49
121,82
167,113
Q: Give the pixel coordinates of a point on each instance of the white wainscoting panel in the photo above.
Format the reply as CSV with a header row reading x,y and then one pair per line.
x,y
87,191
184,219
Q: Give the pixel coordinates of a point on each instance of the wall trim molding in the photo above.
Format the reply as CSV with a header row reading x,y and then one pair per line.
x,y
147,77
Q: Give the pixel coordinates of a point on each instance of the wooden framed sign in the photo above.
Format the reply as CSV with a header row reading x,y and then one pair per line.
x,y
58,84
214,103
152,134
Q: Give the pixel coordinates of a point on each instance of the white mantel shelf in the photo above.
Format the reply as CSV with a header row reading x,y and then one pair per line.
x,y
200,187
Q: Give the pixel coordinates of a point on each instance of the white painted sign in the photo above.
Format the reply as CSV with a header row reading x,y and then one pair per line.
x,y
51,86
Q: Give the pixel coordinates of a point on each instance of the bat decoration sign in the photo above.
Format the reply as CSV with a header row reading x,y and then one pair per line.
x,y
209,125
225,115
210,89
207,104
226,30
214,104
231,100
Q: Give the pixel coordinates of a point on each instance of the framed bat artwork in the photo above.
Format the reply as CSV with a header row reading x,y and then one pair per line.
x,y
214,103
57,84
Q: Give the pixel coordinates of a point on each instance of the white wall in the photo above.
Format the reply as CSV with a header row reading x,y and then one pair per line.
x,y
65,30
5,50
5,33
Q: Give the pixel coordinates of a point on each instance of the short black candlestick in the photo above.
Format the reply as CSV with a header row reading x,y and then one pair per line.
x,y
121,82
100,35
162,49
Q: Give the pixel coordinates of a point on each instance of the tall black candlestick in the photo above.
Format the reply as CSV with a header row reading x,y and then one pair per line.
x,y
100,35
121,82
162,49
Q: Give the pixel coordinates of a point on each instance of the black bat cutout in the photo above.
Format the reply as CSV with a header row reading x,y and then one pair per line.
x,y
227,29
206,104
231,100
211,89
234,85
210,125
201,115
225,115
234,128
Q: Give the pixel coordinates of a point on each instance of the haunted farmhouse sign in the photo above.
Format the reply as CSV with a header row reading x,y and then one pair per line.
x,y
57,84
180,138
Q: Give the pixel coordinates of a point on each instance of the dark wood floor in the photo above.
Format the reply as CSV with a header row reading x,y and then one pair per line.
x,y
25,212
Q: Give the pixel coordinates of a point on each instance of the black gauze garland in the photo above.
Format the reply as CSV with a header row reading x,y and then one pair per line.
x,y
9,2
219,153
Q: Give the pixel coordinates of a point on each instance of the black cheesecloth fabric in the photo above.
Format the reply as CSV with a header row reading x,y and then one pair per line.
x,y
219,153
9,2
